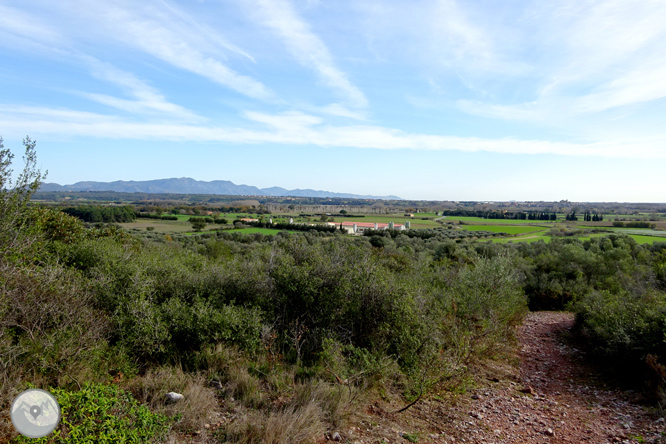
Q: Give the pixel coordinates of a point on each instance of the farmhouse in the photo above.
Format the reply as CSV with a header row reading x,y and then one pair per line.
x,y
249,220
360,227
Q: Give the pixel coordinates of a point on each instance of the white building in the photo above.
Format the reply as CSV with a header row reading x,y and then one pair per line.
x,y
360,227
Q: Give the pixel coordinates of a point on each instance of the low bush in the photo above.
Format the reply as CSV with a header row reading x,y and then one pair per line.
x,y
489,300
628,330
49,328
103,413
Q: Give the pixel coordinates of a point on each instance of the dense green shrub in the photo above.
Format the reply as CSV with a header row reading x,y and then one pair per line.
x,y
628,330
97,213
56,226
623,324
49,328
103,413
490,297
157,216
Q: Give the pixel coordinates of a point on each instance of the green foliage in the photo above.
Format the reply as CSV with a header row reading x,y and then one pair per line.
x,y
49,329
198,223
489,296
193,325
622,324
14,198
107,214
628,330
103,413
56,226
411,437
565,270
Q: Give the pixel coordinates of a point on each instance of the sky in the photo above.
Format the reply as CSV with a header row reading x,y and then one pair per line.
x,y
426,99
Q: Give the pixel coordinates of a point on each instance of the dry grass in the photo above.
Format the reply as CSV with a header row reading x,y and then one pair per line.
x,y
229,366
198,403
332,400
268,406
289,425
244,387
314,407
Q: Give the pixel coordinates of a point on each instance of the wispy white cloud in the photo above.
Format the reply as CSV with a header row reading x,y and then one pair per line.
x,y
156,28
336,109
51,41
16,23
146,99
457,38
306,47
161,33
198,34
597,56
302,129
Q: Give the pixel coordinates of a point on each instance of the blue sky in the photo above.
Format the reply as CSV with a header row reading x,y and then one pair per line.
x,y
427,99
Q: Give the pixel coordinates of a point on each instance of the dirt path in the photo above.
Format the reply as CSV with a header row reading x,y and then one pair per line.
x,y
556,399
551,397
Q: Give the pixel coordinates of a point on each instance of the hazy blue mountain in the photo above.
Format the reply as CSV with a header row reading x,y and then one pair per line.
x,y
186,185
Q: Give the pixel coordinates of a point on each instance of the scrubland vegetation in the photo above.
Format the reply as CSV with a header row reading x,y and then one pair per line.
x,y
285,335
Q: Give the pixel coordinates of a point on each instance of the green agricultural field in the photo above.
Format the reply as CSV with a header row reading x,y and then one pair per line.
x,y
528,238
641,239
508,229
425,215
639,231
161,226
533,238
181,217
164,226
259,230
647,239
493,221
415,222
266,231
624,216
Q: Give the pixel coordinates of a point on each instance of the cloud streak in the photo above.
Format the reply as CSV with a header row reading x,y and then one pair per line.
x,y
16,23
306,47
158,29
147,100
602,56
158,33
301,129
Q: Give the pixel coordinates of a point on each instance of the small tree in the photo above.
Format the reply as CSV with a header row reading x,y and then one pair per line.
x,y
14,196
198,224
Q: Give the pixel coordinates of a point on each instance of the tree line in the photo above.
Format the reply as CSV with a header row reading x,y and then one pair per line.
x,y
106,214
497,214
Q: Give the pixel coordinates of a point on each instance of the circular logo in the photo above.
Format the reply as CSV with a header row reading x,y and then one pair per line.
x,y
35,413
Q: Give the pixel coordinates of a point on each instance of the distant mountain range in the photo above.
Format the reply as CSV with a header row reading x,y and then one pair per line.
x,y
186,185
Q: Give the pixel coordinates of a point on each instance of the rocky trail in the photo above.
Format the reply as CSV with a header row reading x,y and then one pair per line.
x,y
551,397
557,399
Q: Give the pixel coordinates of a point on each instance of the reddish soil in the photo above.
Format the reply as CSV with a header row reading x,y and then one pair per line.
x,y
551,396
